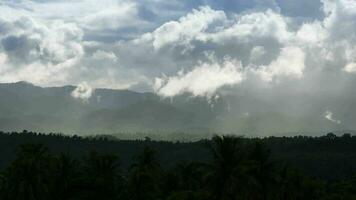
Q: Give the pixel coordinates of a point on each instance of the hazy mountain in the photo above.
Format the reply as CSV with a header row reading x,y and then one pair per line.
x,y
25,106
107,111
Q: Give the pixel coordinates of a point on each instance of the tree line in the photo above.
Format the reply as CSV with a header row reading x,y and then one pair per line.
x,y
236,169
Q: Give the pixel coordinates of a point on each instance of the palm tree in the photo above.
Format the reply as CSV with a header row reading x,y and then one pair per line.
x,y
66,177
229,168
144,176
29,176
190,175
263,171
185,181
101,176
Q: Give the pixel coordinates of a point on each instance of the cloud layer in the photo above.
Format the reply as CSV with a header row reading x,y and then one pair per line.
x,y
203,80
129,43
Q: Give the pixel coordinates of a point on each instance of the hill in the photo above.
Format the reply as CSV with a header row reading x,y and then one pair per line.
x,y
108,111
328,157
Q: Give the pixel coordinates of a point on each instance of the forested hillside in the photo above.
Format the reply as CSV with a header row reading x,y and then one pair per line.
x,y
41,166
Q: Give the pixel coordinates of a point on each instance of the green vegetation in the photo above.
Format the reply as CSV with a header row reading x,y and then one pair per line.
x,y
224,168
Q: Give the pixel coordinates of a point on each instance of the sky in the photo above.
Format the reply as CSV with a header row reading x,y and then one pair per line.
x,y
276,50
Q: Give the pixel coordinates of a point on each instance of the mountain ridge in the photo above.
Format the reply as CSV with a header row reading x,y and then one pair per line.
x,y
109,111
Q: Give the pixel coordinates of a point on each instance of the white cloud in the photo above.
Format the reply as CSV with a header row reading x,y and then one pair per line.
x,y
289,63
350,68
83,91
257,52
3,62
340,18
88,14
111,15
249,27
208,25
53,41
203,80
104,55
186,28
329,116
312,33
3,58
39,52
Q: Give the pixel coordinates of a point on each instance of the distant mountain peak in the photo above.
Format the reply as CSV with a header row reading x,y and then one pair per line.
x,y
23,83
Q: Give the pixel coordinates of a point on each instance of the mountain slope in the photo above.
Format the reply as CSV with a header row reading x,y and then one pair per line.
x,y
54,109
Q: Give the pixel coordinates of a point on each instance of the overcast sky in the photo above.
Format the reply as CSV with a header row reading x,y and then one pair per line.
x,y
180,46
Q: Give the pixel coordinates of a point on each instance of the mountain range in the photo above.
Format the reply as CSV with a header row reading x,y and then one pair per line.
x,y
107,111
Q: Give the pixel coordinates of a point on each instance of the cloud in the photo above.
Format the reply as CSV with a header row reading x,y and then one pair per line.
x,y
329,116
312,33
252,26
203,80
112,15
339,18
290,63
3,58
104,55
47,43
83,91
350,68
52,43
214,26
36,51
186,28
257,52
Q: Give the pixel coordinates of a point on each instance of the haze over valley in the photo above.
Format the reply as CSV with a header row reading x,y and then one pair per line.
x,y
88,111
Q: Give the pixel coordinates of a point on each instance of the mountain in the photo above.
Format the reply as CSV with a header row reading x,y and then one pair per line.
x,y
54,109
108,111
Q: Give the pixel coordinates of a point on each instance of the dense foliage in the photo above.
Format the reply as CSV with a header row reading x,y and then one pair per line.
x,y
225,167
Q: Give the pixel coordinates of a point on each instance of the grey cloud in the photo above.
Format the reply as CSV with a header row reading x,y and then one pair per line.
x,y
20,48
302,8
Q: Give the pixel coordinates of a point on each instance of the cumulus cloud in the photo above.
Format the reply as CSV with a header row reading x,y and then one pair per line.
x,y
83,91
37,51
268,43
203,80
34,42
312,33
112,15
215,26
187,27
289,63
251,26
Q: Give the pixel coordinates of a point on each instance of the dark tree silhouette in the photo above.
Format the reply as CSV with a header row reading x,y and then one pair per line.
x,y
101,178
66,177
29,177
263,171
144,176
229,170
